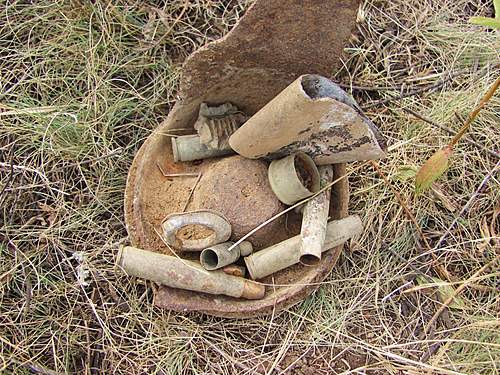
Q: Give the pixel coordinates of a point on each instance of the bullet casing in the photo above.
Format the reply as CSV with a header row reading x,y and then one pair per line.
x,y
284,177
184,274
218,256
287,253
314,221
189,148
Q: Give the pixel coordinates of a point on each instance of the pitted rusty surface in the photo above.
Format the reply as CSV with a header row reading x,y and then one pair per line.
x,y
314,145
276,298
320,120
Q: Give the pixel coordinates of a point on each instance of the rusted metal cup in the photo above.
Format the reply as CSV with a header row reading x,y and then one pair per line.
x,y
218,256
294,177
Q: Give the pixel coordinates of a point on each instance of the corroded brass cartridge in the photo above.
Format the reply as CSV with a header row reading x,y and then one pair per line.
x,y
286,253
184,274
294,177
189,148
314,221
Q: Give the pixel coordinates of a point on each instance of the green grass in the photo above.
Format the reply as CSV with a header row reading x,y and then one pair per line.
x,y
82,85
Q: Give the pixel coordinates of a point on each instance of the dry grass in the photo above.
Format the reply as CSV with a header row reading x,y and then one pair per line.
x,y
82,85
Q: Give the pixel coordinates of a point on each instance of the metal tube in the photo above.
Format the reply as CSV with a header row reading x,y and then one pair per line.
x,y
314,220
189,148
218,256
286,253
184,274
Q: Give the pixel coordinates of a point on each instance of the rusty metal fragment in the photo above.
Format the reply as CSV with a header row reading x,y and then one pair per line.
x,y
314,221
274,43
239,189
184,274
287,253
216,124
315,116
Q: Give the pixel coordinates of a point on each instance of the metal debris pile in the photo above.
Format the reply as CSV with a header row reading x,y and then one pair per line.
x,y
295,138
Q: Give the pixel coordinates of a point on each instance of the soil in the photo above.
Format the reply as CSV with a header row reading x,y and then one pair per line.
x,y
160,196
194,232
303,173
323,360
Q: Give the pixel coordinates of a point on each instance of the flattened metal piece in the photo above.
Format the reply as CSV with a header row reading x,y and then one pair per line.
x,y
315,116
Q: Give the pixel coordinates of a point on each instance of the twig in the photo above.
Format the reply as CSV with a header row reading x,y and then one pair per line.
x,y
29,111
380,351
25,169
186,174
421,90
38,369
475,112
402,203
433,349
191,192
177,255
404,260
11,88
360,87
451,132
432,87
32,170
457,291
181,174
161,169
468,204
11,172
162,16
395,291
88,161
233,360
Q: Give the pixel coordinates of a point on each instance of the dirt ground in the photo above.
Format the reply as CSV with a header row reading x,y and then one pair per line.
x,y
82,84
